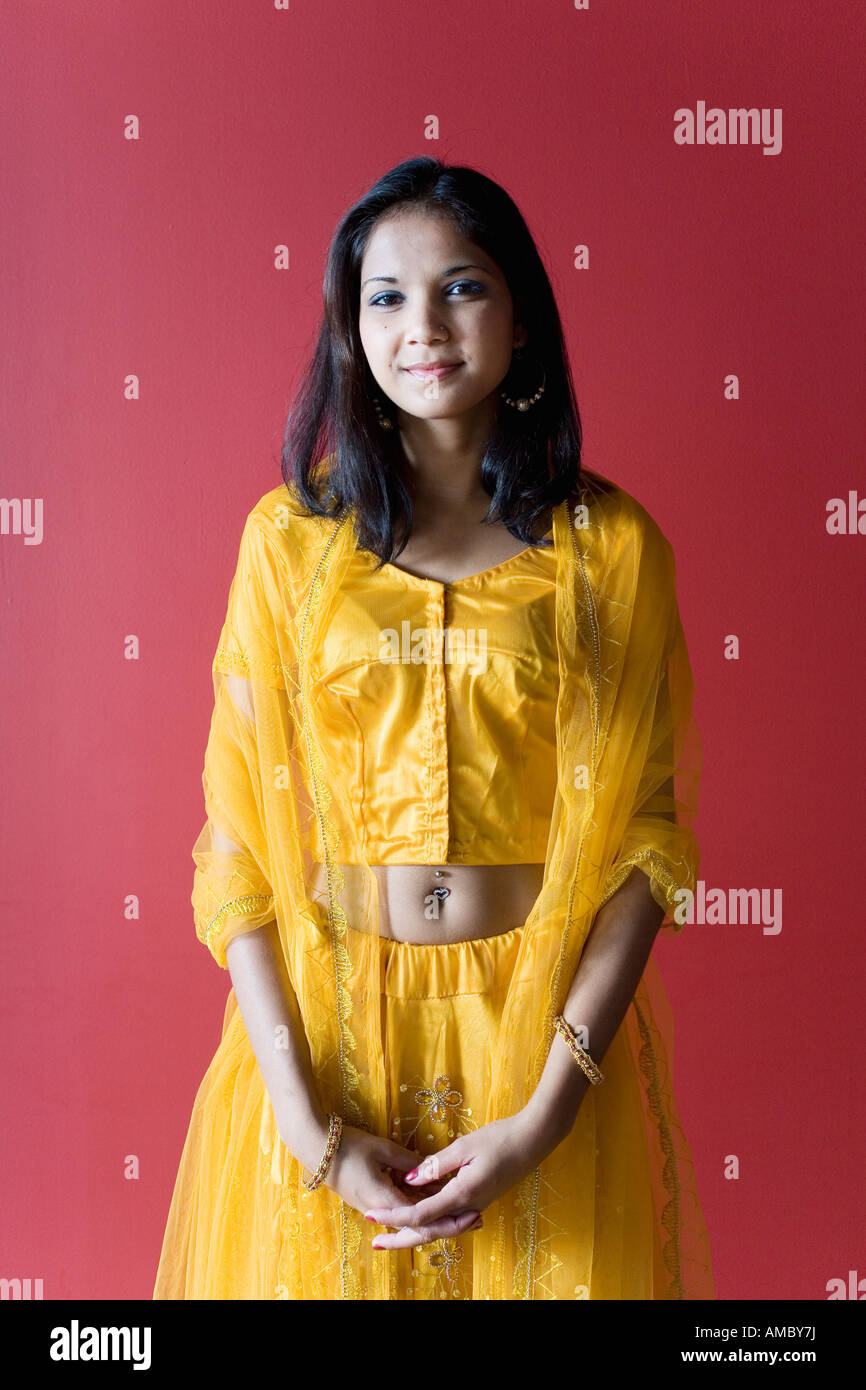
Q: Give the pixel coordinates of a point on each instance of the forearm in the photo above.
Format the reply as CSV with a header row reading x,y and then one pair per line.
x,y
269,1009
608,973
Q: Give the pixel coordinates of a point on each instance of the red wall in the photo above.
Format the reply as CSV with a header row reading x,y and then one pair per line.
x,y
155,257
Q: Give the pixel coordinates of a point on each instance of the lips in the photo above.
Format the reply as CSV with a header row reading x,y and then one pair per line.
x,y
433,370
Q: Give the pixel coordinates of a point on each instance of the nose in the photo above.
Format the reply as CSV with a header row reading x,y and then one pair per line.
x,y
428,326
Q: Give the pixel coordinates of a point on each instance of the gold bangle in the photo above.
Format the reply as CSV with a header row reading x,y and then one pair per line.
x,y
580,1054
335,1133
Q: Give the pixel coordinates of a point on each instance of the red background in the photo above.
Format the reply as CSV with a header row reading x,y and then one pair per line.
x,y
155,257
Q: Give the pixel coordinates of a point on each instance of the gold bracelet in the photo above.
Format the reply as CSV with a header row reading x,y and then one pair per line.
x,y
335,1133
580,1054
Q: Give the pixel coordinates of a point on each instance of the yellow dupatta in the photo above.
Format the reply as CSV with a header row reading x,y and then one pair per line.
x,y
288,848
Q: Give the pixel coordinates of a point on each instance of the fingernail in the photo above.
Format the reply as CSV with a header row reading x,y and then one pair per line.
x,y
367,1218
411,1176
376,1247
476,1224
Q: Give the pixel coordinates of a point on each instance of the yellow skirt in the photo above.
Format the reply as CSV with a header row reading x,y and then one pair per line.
x,y
241,1226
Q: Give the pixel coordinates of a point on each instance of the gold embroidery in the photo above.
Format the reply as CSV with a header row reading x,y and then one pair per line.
x,y
670,1175
526,1201
439,1099
246,666
524,1197
440,1103
660,873
337,925
246,905
586,619
448,1258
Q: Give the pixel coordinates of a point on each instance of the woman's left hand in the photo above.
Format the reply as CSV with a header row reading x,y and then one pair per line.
x,y
489,1161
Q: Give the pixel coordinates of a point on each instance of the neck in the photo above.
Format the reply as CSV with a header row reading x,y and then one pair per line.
x,y
443,457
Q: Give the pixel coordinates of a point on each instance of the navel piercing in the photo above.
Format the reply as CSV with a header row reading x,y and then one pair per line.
x,y
440,892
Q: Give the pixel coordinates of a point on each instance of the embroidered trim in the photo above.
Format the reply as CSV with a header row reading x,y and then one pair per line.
x,y
244,666
660,873
670,1174
526,1233
337,924
244,906
586,619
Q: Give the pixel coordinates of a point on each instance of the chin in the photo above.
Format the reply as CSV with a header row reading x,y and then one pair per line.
x,y
437,411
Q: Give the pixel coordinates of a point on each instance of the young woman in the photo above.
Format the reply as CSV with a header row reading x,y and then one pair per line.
x,y
450,804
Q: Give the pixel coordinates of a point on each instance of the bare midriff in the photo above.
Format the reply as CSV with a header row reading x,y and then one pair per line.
x,y
482,900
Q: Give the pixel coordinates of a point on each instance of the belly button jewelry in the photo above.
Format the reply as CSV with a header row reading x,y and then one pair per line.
x,y
440,892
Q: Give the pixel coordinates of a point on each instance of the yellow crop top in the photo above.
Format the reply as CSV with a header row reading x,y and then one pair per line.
x,y
443,699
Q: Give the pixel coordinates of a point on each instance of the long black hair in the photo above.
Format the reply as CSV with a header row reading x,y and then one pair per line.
x,y
335,453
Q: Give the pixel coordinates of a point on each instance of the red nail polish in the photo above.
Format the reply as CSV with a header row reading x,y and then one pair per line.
x,y
413,1174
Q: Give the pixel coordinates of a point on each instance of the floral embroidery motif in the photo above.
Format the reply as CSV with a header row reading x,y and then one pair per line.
x,y
447,1258
445,1272
439,1098
438,1104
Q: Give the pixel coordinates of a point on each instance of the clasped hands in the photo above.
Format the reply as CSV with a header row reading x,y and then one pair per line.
x,y
486,1163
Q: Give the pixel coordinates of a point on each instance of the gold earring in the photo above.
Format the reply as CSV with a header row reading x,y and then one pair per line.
x,y
525,402
384,422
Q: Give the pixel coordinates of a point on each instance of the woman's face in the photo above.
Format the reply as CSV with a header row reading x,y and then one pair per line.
x,y
429,296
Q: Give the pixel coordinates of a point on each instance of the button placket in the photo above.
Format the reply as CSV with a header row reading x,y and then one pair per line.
x,y
437,845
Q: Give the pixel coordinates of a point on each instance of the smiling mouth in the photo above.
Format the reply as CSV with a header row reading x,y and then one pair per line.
x,y
425,373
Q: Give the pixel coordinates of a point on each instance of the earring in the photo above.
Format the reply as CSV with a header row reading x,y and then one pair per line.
x,y
525,402
384,422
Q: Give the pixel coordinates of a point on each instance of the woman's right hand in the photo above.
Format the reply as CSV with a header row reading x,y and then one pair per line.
x,y
361,1174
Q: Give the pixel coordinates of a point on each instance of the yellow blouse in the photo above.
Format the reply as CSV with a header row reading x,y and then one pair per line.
x,y
443,697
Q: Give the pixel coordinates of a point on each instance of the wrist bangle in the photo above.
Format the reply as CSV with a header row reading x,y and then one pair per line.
x,y
335,1133
580,1054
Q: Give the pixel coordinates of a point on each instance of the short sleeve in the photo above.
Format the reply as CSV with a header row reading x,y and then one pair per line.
x,y
659,836
232,891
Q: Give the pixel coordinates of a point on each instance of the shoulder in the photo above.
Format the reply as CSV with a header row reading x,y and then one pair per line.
x,y
621,517
625,549
280,529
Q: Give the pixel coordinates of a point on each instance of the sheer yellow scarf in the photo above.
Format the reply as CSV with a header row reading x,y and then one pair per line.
x,y
281,841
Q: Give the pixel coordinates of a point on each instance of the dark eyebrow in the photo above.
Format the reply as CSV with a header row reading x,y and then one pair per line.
x,y
452,270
